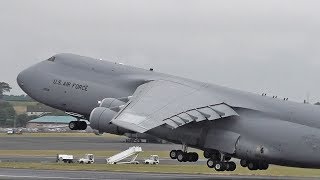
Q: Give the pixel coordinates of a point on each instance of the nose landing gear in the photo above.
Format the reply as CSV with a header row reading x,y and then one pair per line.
x,y
78,125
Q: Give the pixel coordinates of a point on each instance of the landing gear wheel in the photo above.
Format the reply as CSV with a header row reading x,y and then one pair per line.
x,y
227,158
263,166
173,154
73,125
181,156
83,125
206,154
190,157
212,154
244,163
231,166
211,163
252,166
195,157
220,166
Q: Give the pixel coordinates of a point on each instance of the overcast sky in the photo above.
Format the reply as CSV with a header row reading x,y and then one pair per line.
x,y
259,46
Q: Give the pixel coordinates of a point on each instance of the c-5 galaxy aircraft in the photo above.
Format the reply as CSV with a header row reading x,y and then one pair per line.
x,y
223,122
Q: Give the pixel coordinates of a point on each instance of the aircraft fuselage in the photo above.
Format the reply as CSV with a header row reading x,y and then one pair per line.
x,y
267,129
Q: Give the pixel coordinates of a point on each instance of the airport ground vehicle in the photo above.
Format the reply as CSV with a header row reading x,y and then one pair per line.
x,y
64,158
14,131
154,159
132,151
10,131
87,159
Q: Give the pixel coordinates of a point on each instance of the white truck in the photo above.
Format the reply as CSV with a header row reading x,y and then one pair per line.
x,y
87,159
64,158
154,159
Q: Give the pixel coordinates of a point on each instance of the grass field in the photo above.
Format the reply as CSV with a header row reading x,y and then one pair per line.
x,y
188,169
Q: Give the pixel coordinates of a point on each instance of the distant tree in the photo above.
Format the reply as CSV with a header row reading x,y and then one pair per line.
x,y
7,113
23,119
17,98
4,87
318,103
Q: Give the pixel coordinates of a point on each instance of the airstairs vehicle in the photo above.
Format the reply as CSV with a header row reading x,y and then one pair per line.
x,y
131,152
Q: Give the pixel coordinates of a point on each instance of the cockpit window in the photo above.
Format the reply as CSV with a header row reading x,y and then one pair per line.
x,y
52,59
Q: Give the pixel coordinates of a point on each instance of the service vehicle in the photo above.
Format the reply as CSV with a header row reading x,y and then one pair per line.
x,y
131,152
64,158
154,159
87,159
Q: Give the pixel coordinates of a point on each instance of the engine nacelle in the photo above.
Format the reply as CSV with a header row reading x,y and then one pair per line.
x,y
100,119
111,102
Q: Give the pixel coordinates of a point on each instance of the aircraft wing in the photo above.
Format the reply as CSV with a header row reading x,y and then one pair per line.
x,y
170,103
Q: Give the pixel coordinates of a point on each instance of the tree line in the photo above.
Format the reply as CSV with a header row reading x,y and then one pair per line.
x,y
8,116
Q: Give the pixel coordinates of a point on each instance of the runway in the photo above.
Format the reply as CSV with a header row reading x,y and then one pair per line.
x,y
27,174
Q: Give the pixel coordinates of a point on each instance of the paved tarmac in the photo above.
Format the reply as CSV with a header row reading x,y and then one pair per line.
x,y
27,174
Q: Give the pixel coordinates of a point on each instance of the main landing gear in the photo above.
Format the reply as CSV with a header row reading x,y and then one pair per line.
x,y
254,165
219,162
183,155
78,125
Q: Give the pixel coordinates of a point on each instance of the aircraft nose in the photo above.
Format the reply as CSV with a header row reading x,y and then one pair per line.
x,y
24,79
20,79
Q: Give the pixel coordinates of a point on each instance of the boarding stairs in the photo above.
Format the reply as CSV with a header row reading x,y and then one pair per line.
x,y
132,151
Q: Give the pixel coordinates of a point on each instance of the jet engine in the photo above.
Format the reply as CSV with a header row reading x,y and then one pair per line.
x,y
111,102
100,119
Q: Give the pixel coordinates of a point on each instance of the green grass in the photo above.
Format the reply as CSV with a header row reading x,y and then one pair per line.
x,y
188,169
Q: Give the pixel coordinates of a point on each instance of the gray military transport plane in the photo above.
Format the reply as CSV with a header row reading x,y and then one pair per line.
x,y
222,122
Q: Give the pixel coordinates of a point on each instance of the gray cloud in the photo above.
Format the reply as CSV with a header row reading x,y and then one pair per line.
x,y
258,46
